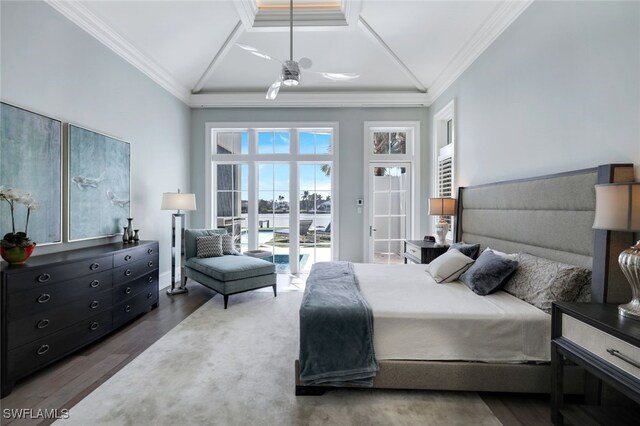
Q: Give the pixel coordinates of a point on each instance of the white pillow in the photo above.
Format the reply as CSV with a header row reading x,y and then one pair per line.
x,y
449,266
511,256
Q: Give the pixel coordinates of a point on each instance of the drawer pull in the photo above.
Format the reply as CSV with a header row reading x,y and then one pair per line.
x,y
150,279
623,357
43,278
94,326
94,266
149,251
127,258
127,290
42,349
150,264
44,298
94,283
43,323
149,295
127,272
127,309
94,304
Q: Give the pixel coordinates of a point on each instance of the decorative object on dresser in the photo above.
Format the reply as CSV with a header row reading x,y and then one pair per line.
x,y
605,344
17,247
618,209
98,184
419,251
60,302
177,201
130,229
442,207
31,159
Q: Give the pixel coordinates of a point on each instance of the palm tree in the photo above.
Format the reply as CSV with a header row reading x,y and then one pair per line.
x,y
305,198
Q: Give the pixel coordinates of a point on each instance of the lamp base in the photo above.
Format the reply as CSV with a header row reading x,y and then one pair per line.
x,y
630,265
442,228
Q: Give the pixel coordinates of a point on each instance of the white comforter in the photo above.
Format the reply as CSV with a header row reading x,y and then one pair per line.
x,y
417,319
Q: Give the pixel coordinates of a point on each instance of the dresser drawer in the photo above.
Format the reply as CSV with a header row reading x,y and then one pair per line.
x,y
48,322
127,257
38,277
598,343
135,270
126,311
41,299
414,251
126,291
33,355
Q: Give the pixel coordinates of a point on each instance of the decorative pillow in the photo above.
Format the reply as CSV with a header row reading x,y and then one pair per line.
x,y
489,273
512,256
469,250
542,281
448,266
209,246
227,244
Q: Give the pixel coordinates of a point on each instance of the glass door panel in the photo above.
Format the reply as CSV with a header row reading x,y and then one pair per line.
x,y
315,214
232,201
273,212
390,215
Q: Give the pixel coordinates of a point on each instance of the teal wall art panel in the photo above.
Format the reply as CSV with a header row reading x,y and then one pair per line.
x,y
98,179
31,161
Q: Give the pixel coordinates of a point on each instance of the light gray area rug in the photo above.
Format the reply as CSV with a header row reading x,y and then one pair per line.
x,y
236,367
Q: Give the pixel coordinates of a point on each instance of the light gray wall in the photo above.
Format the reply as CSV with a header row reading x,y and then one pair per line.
x,y
51,66
351,156
559,90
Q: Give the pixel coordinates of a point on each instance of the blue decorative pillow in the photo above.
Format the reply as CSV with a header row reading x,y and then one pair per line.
x,y
469,250
489,273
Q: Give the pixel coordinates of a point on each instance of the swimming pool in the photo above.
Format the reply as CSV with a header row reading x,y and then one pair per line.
x,y
282,261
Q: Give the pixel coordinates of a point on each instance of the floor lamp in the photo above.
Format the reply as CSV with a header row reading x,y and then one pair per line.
x,y
177,201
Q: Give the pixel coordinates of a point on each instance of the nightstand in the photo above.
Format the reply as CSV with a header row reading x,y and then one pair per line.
x,y
420,251
606,345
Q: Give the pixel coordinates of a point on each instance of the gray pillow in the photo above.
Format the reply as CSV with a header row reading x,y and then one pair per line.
x,y
227,245
469,250
209,246
489,273
541,281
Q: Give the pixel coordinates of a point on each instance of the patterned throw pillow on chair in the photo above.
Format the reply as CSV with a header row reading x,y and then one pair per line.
x,y
227,244
210,246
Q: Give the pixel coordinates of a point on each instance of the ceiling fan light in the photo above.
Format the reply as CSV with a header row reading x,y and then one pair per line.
x,y
290,73
290,82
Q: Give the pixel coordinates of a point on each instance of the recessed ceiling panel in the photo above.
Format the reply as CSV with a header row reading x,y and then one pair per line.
x,y
426,35
341,51
181,36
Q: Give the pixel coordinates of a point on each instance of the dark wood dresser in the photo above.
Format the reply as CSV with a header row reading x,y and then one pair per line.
x,y
419,251
58,303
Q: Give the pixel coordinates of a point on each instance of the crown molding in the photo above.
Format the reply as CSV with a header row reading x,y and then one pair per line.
x,y
503,16
77,13
309,99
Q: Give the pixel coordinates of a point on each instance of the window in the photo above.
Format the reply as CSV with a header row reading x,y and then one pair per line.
x,y
389,143
444,145
232,143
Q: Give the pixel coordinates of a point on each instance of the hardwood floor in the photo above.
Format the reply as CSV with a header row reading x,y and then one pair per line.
x,y
67,382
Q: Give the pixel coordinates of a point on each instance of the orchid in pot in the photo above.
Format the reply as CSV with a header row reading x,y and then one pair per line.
x,y
16,247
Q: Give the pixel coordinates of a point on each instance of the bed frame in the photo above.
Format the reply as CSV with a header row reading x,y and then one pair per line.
x,y
548,216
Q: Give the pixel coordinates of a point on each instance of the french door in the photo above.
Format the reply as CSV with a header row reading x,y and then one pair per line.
x,y
390,211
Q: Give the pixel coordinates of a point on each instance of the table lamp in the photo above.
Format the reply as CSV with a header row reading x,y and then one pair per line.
x,y
442,206
618,209
177,201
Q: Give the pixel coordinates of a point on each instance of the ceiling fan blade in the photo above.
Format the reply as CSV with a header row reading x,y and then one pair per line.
x,y
256,52
272,93
339,76
305,63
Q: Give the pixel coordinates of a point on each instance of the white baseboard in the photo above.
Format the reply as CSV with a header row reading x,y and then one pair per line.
x,y
164,280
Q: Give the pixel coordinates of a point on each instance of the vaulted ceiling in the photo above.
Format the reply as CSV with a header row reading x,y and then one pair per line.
x,y
406,52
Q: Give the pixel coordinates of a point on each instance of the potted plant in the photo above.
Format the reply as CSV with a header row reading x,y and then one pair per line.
x,y
16,247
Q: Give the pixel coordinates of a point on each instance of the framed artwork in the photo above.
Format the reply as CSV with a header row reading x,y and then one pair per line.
x,y
98,184
31,161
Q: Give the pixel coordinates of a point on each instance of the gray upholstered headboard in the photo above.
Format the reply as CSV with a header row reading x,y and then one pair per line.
x,y
550,216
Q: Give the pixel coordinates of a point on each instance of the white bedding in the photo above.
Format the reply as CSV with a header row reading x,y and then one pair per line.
x,y
417,319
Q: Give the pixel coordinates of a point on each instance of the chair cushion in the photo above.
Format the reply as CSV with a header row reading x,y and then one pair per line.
x,y
229,268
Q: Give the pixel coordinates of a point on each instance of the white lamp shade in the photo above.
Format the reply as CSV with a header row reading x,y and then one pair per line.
x,y
618,207
178,201
442,206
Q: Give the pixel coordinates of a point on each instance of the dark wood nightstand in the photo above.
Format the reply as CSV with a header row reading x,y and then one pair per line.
x,y
607,346
420,251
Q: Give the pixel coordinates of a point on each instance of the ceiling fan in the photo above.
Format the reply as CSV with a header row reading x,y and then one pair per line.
x,y
290,74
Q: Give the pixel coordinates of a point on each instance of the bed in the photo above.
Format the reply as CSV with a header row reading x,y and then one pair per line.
x,y
444,337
